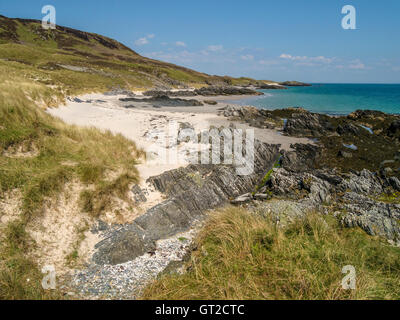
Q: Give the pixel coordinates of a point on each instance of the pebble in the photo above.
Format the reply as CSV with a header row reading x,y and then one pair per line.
x,y
127,280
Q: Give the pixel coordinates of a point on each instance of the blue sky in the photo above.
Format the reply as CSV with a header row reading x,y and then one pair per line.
x,y
278,40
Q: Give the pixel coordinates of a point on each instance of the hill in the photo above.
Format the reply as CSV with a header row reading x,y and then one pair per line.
x,y
99,61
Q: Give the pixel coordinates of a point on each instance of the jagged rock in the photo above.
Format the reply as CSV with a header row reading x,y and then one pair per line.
x,y
348,128
331,177
300,185
308,125
313,189
376,218
191,191
254,117
365,182
303,158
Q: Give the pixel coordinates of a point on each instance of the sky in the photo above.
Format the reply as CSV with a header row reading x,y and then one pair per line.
x,y
273,40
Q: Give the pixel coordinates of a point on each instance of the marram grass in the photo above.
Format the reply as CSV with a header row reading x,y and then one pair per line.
x,y
241,255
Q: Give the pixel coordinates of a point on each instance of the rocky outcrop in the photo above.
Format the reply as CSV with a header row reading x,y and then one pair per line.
x,y
225,91
354,196
164,101
348,128
170,93
191,191
375,217
308,124
295,84
303,158
258,118
211,90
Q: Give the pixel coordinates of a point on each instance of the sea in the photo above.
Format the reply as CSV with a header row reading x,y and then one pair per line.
x,y
334,99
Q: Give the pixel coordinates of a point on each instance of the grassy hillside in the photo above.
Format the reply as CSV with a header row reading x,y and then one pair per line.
x,y
243,255
53,57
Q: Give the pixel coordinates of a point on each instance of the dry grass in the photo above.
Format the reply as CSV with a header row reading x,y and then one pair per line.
x,y
50,154
241,255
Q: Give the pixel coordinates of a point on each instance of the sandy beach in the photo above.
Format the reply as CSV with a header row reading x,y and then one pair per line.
x,y
152,129
138,123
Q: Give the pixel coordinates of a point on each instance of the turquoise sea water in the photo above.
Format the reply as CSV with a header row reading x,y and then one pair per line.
x,y
331,98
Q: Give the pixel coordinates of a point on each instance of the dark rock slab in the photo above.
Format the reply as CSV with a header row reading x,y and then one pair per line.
x,y
165,101
123,245
191,192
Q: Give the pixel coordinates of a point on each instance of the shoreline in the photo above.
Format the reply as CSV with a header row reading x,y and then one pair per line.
x,y
106,112
140,123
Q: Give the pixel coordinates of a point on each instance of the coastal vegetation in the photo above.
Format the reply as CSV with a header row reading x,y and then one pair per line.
x,y
243,255
39,155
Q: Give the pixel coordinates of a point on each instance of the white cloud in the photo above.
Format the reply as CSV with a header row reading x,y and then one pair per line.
x,y
144,40
307,60
180,44
358,66
286,56
215,48
141,41
322,59
247,57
